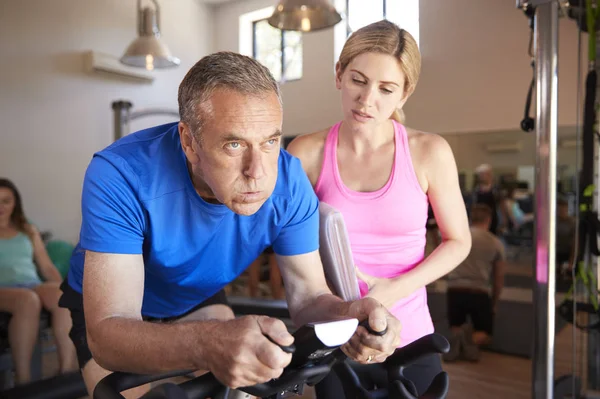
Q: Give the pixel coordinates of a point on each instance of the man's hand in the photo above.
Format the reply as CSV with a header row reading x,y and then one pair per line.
x,y
241,355
365,347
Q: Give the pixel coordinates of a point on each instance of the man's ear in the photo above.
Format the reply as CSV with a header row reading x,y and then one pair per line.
x,y
338,75
187,141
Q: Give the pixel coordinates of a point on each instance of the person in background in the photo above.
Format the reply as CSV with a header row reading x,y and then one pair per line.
x,y
486,193
23,294
474,289
514,217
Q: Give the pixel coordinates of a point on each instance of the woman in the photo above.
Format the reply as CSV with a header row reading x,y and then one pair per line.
x,y
513,215
22,292
382,176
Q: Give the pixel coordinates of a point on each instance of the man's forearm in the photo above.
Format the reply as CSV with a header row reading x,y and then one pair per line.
x,y
120,344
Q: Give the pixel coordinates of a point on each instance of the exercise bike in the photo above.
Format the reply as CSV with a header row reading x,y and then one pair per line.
x,y
315,353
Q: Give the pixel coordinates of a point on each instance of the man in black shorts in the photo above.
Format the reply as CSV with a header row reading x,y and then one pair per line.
x,y
474,288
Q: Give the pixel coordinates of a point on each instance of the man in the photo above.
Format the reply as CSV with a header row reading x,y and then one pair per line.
x,y
485,193
172,214
474,289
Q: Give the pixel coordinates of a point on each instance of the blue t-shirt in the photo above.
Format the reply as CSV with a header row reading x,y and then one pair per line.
x,y
138,198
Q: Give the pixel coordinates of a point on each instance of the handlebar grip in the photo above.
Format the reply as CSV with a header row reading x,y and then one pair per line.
x,y
287,349
365,324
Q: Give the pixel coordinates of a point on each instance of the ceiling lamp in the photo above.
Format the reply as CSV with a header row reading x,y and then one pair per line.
x,y
148,50
304,15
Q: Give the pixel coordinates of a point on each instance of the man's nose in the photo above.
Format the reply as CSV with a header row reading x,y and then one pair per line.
x,y
255,164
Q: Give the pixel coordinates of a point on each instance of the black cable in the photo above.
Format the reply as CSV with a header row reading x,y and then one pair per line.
x,y
528,123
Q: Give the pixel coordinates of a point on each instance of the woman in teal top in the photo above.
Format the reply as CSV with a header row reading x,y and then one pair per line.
x,y
22,291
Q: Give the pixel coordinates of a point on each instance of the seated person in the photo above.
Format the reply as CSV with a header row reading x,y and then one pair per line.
x,y
23,293
174,213
513,216
474,289
565,236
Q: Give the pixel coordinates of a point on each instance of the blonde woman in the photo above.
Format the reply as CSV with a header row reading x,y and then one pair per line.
x,y
382,176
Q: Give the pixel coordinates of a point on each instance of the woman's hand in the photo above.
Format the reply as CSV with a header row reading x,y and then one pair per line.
x,y
387,291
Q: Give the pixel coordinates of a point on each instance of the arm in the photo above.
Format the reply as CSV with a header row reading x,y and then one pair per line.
x,y
450,213
310,300
113,287
308,296
46,268
236,351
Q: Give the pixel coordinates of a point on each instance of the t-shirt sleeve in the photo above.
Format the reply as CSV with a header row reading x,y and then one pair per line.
x,y
300,233
500,253
112,216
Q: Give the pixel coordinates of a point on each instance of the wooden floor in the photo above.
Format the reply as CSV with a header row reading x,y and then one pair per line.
x,y
494,376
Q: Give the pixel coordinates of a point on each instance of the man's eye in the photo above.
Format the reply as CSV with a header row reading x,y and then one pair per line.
x,y
233,146
272,142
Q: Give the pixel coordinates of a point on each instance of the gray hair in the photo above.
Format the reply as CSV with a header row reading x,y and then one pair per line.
x,y
227,70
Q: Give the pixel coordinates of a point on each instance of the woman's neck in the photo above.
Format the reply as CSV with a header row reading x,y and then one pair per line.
x,y
6,225
362,141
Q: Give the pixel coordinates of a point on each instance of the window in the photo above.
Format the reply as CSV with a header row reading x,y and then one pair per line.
x,y
280,51
404,13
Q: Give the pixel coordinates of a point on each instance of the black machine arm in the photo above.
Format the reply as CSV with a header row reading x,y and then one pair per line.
x,y
111,385
400,386
312,360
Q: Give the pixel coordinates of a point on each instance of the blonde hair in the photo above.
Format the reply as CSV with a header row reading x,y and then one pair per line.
x,y
385,37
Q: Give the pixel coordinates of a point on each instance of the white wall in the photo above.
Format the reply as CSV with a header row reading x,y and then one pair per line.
x,y
54,115
475,71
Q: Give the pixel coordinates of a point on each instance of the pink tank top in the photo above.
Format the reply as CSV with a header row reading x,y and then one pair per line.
x,y
386,227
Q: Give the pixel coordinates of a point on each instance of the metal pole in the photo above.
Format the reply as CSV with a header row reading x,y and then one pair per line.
x,y
546,56
121,116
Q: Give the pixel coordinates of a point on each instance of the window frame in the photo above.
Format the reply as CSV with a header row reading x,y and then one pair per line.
x,y
348,30
281,48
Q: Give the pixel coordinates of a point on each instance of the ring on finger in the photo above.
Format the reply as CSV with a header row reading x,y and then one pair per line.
x,y
370,359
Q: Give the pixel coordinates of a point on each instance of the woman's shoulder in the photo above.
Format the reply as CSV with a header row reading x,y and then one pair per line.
x,y
31,230
305,143
419,138
309,149
428,147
